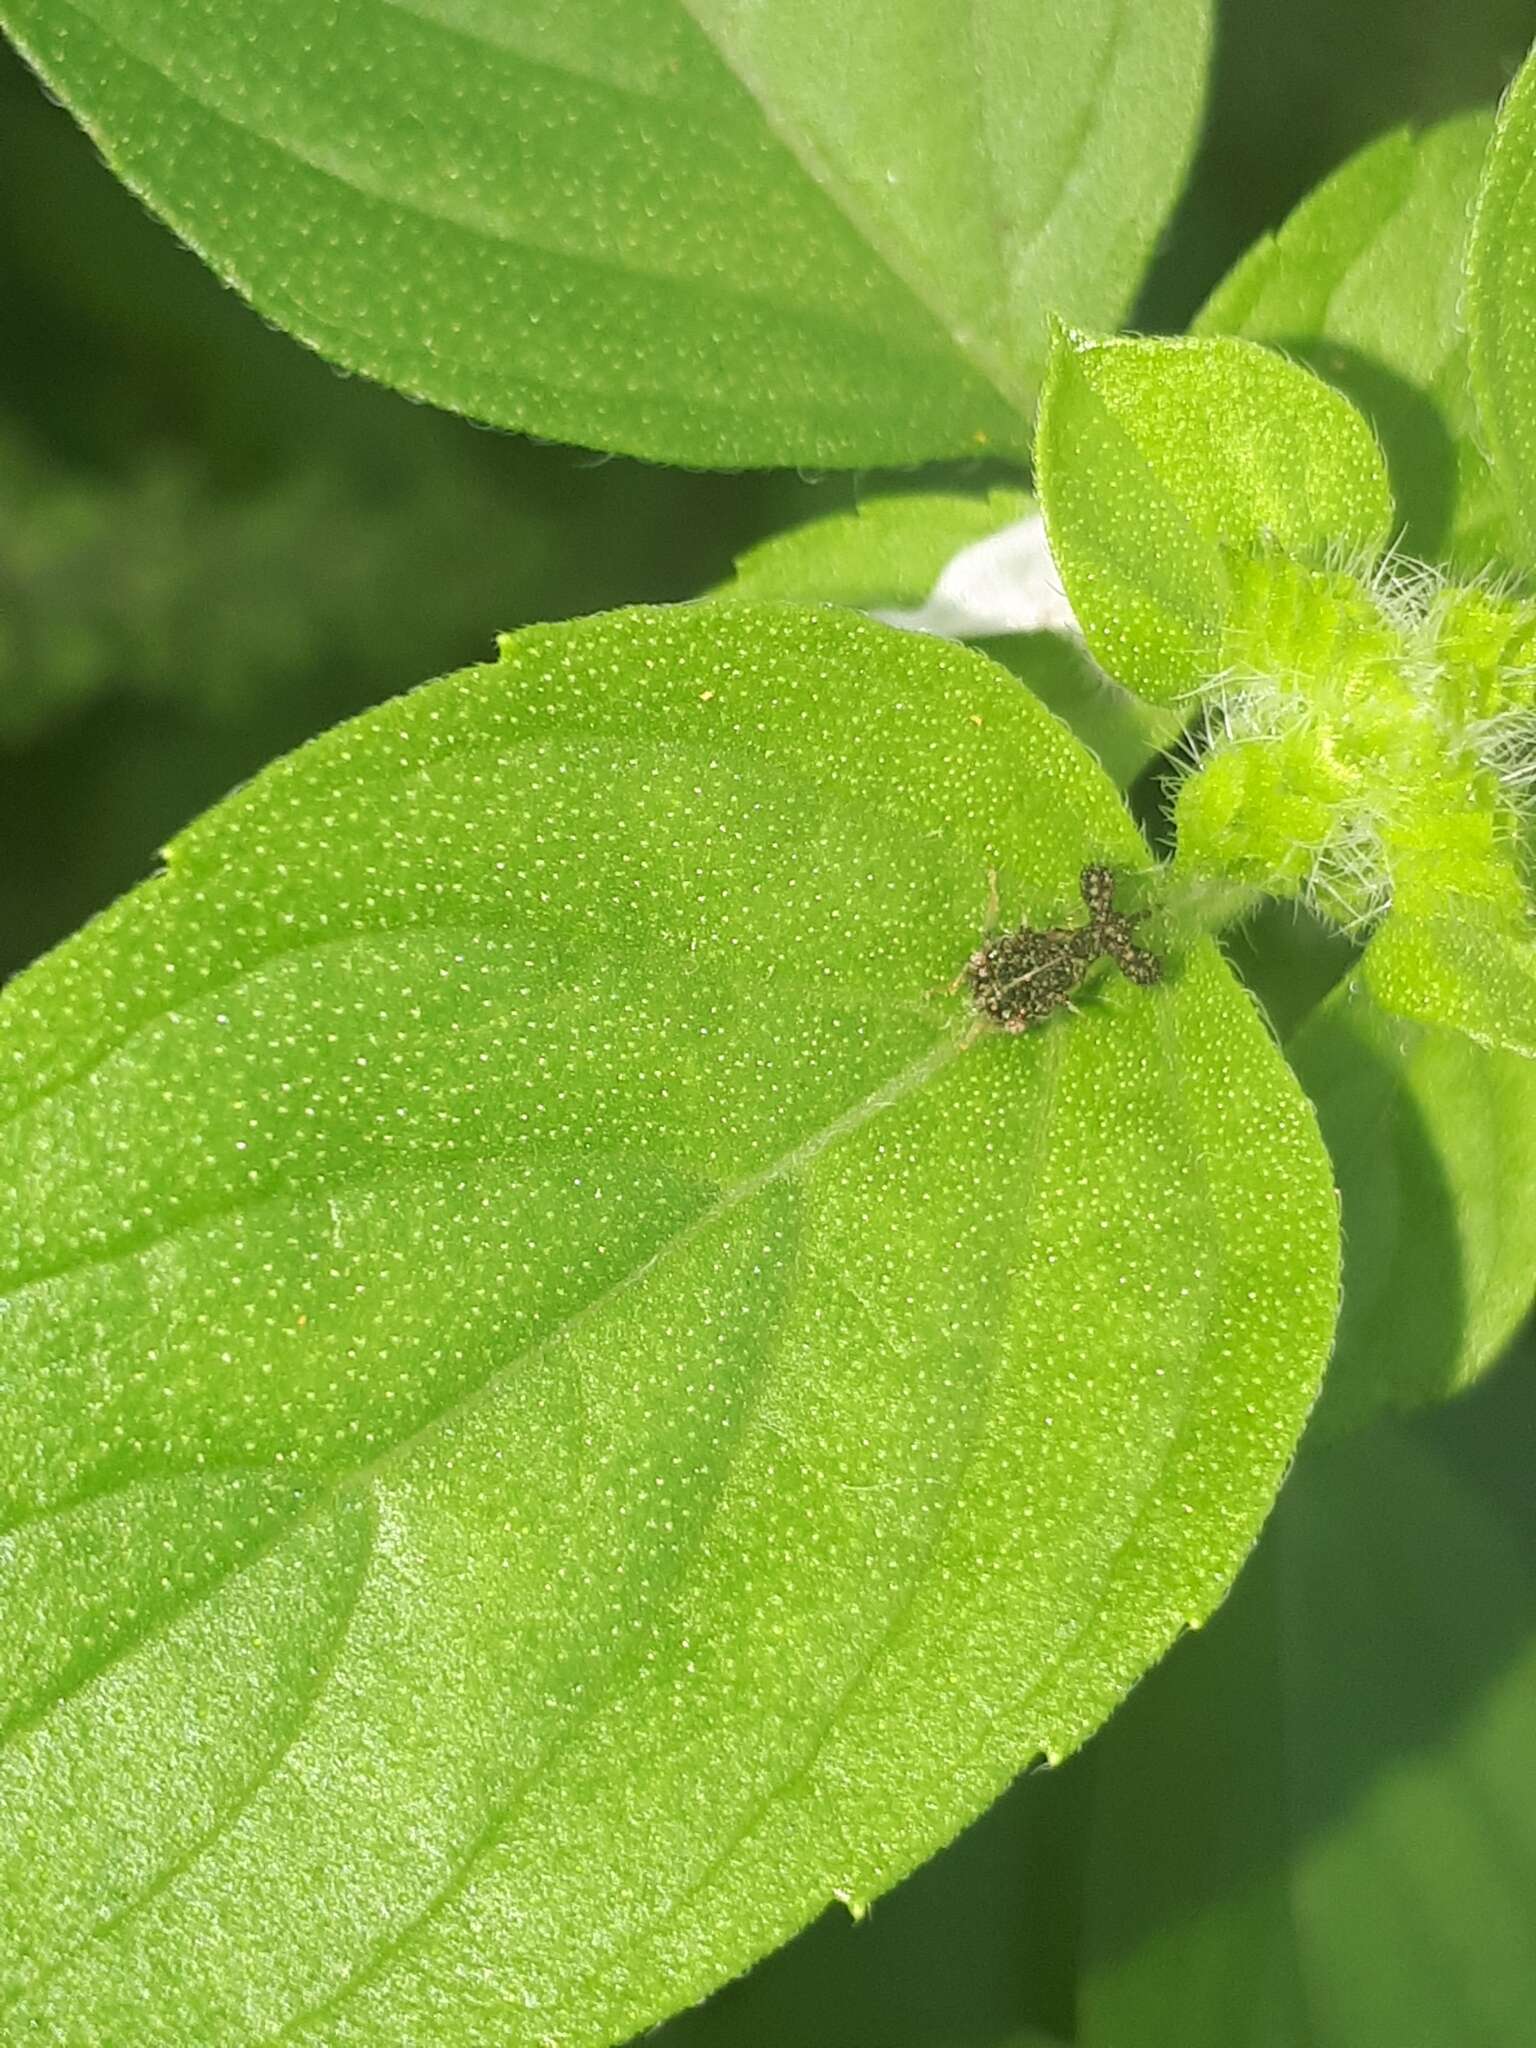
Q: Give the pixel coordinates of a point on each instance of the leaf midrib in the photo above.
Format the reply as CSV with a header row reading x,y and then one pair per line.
x,y
900,263
897,1623
301,1712
898,257
393,1162
895,1626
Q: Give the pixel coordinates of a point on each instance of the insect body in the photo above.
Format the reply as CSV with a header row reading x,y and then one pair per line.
x,y
1019,978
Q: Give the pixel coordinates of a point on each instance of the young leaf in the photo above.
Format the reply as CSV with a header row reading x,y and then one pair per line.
x,y
1156,458
901,558
1433,1143
701,230
1460,972
563,1406
1315,1826
1501,303
1364,284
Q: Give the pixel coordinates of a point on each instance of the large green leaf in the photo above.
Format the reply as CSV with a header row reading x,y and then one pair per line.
x,y
1315,1827
563,1407
703,230
1157,460
1433,1142
1501,303
1364,283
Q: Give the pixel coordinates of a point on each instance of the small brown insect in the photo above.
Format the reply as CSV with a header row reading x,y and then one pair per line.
x,y
1019,978
1111,929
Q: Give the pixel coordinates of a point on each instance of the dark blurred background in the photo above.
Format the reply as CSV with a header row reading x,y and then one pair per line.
x,y
212,545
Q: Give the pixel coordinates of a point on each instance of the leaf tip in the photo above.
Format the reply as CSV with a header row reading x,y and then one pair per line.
x,y
1065,339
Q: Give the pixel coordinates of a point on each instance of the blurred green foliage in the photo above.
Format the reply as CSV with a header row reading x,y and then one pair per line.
x,y
1297,89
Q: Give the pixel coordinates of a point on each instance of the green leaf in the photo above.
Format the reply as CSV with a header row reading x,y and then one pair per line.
x,y
1501,303
888,552
563,1406
942,1961
701,230
899,556
1364,284
1315,1826
1433,1143
1458,971
1156,459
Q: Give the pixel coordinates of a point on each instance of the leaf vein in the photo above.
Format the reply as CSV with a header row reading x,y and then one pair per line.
x,y
303,1708
486,227
889,1092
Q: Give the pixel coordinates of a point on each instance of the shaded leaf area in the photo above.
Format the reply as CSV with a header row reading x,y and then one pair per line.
x,y
1433,1141
889,553
563,1407
1314,1827
1290,959
956,1957
1158,462
1294,94
1364,283
710,232
1501,305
